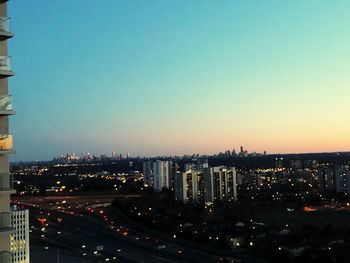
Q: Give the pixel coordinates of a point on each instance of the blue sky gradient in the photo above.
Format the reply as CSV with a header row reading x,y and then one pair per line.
x,y
175,77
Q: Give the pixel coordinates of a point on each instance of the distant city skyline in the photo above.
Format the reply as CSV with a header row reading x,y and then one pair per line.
x,y
179,77
71,156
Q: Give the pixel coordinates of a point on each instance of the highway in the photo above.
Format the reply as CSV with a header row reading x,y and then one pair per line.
x,y
82,224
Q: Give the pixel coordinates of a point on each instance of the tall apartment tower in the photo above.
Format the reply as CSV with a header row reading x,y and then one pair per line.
x,y
220,184
5,138
161,175
147,173
187,187
20,236
190,187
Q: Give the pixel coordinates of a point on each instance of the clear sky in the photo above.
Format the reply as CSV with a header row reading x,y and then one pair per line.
x,y
179,76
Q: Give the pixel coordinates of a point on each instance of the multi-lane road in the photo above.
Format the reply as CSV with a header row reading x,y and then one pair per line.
x,y
82,225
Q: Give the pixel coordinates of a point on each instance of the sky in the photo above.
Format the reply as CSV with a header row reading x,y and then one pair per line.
x,y
180,76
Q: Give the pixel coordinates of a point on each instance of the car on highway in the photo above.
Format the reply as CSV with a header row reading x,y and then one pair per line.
x,y
229,260
180,251
160,246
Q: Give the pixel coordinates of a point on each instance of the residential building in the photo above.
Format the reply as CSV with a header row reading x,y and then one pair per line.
x,y
220,184
161,175
6,146
147,173
342,179
326,179
20,236
190,187
207,185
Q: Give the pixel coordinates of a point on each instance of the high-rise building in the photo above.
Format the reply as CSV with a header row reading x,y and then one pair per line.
x,y
185,186
310,164
175,169
200,182
295,164
6,147
234,152
161,175
342,179
334,179
326,177
147,173
279,163
20,236
190,187
220,184
243,153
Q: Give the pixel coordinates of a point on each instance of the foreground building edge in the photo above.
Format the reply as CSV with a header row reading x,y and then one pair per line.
x,y
14,224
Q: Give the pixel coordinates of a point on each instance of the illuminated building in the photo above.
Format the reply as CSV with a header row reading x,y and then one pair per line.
x,y
334,179
184,186
220,184
147,173
207,185
20,236
190,187
326,178
342,179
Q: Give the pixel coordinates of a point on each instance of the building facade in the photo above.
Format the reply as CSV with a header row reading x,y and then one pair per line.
x,y
327,179
207,185
187,187
147,174
161,175
220,184
190,187
6,147
20,236
334,179
342,179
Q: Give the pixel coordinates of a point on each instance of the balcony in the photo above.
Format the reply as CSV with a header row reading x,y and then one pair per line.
x,y
6,144
6,105
5,222
5,30
6,183
5,67
5,257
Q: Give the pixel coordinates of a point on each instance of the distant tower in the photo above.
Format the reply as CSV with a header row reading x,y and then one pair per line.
x,y
234,152
5,138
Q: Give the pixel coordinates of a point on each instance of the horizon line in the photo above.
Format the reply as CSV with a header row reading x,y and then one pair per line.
x,y
201,155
